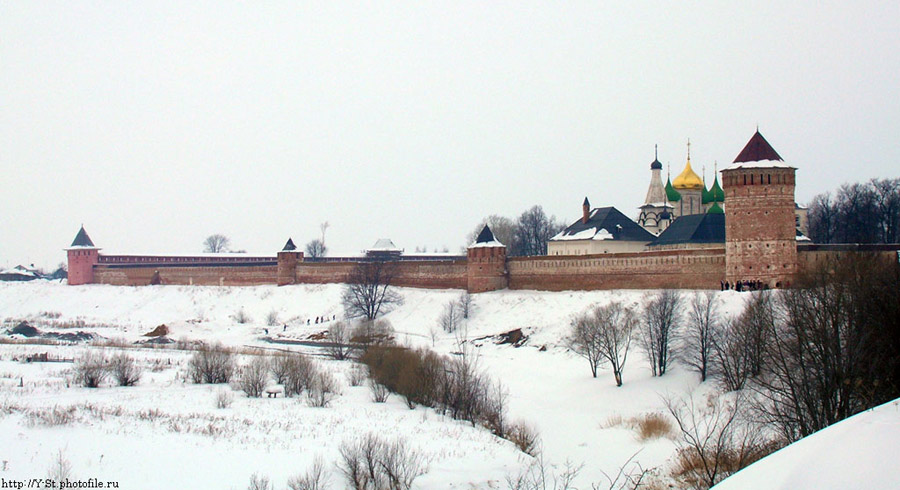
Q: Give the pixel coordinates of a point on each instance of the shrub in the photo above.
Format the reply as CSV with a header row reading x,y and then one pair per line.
x,y
322,389
90,369
356,375
271,318
241,316
124,370
379,391
314,478
50,417
211,364
299,374
524,437
224,398
259,482
254,376
373,463
60,468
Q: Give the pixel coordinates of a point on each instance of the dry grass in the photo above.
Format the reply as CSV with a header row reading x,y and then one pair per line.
x,y
646,426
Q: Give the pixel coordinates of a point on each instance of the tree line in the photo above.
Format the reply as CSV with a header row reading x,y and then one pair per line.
x,y
857,213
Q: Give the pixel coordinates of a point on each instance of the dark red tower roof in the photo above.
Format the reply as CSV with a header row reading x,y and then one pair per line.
x,y
757,150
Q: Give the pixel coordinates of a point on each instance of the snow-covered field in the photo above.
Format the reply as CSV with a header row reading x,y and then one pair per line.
x,y
168,433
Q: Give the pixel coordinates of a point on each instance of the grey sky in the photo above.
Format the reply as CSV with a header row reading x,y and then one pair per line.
x,y
158,123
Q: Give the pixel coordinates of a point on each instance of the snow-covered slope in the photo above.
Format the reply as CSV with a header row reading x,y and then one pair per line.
x,y
549,388
855,453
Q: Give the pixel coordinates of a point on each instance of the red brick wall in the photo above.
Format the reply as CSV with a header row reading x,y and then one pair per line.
x,y
685,269
424,274
200,275
760,231
486,269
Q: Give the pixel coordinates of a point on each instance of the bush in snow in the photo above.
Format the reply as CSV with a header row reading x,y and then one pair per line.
x,y
272,318
339,346
379,391
373,463
60,468
241,316
255,376
322,389
259,482
299,373
314,478
211,364
124,370
524,437
224,398
90,369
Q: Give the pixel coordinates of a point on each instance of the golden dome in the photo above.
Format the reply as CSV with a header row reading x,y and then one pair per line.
x,y
688,179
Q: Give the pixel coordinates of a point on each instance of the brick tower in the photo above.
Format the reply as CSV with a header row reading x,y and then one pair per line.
x,y
486,265
760,231
287,263
82,256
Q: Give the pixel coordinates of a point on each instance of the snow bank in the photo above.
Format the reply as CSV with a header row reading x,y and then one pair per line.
x,y
855,453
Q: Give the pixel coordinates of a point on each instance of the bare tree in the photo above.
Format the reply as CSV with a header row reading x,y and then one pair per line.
x,y
660,321
369,291
255,376
699,335
451,317
339,346
715,441
124,369
533,229
465,304
323,227
316,248
833,352
731,356
216,243
604,333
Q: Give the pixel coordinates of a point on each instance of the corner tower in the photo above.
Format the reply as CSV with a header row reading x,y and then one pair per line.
x,y
82,256
760,234
486,264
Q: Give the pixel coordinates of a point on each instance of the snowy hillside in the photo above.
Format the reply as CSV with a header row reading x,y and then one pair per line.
x,y
191,443
857,452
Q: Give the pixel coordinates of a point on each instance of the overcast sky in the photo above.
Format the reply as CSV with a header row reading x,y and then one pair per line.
x,y
158,123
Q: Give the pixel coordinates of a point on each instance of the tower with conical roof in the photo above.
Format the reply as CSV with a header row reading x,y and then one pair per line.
x,y
82,255
690,187
486,263
760,232
288,258
656,211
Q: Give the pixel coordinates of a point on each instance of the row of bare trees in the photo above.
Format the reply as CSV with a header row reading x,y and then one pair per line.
x,y
857,213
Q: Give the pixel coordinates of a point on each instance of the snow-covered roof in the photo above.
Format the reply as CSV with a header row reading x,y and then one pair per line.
x,y
486,238
383,245
18,272
586,234
758,153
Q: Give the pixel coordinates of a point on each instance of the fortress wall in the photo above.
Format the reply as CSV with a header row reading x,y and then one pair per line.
x,y
810,257
682,269
424,274
226,275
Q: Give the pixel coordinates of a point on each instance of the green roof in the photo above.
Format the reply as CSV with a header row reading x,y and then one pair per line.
x,y
671,194
715,209
704,194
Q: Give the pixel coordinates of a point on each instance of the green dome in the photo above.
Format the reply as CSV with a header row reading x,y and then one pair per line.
x,y
716,194
715,209
705,196
671,194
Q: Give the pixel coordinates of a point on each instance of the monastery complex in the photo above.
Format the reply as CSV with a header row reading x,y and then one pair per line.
x,y
688,235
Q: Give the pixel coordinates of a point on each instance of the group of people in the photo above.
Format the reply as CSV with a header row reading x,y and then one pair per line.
x,y
322,319
743,286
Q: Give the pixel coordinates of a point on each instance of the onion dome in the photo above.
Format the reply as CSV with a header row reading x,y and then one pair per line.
x,y
655,165
688,180
671,194
716,194
715,209
665,215
704,194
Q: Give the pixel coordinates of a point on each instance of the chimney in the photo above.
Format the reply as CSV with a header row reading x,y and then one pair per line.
x,y
585,211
